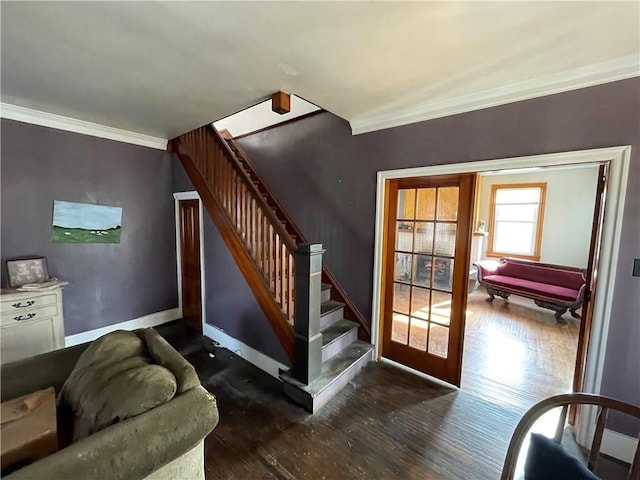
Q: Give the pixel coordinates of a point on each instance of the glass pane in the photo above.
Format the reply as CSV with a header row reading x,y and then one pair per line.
x,y
443,273
518,195
400,328
422,270
406,204
439,340
420,303
517,213
404,236
403,267
426,203
440,307
448,203
401,298
424,237
445,238
418,334
514,238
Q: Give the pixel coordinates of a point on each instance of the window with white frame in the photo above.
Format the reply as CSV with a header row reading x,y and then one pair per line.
x,y
515,224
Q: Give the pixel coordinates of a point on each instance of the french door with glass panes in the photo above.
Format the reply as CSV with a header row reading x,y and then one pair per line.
x,y
427,253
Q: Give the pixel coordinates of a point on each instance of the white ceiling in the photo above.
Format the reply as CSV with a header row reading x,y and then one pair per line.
x,y
164,68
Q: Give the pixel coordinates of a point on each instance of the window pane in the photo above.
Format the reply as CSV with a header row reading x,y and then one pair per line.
x,y
420,303
448,203
401,298
424,237
440,307
404,236
517,213
426,204
400,328
439,341
422,270
445,239
443,273
406,204
403,267
418,334
518,195
514,238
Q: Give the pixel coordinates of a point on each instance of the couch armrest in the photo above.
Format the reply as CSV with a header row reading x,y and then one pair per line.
x,y
29,375
486,267
134,448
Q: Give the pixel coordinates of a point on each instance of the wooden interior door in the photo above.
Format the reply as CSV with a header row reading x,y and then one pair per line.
x,y
427,253
190,262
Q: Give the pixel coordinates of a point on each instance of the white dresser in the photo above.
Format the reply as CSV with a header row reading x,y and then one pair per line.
x,y
32,323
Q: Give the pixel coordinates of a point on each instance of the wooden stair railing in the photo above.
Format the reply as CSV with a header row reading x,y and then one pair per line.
x,y
351,312
256,237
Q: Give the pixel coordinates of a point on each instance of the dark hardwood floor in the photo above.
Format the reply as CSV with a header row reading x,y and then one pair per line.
x,y
385,424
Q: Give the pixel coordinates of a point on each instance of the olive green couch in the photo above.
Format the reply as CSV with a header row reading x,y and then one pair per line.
x,y
166,442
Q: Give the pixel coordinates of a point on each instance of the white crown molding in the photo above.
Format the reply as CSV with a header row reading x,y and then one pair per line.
x,y
52,120
617,69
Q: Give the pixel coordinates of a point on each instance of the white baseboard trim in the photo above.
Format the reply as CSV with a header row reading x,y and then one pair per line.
x,y
618,445
151,320
251,355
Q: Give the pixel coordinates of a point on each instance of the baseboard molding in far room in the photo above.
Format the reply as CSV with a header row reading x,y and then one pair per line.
x,y
251,355
618,445
151,320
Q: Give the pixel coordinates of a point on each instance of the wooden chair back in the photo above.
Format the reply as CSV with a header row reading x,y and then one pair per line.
x,y
604,404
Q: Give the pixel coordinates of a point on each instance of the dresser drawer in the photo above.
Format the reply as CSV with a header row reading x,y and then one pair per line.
x,y
27,303
28,315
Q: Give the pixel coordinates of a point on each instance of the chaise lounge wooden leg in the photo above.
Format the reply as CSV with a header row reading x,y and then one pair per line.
x,y
573,313
559,309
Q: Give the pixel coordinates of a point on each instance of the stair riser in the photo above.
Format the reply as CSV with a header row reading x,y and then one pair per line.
x,y
330,392
331,318
325,295
339,344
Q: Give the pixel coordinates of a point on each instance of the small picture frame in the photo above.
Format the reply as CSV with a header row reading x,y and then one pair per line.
x,y
26,270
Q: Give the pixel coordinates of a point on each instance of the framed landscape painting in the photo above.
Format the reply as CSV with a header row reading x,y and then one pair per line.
x,y
85,223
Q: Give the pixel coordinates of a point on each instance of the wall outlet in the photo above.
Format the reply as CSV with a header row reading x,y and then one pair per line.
x,y
636,267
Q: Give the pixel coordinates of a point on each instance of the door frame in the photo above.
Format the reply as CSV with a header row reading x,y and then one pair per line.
x,y
616,188
177,198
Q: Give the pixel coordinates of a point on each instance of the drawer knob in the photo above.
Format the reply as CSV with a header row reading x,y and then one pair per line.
x,y
28,316
26,304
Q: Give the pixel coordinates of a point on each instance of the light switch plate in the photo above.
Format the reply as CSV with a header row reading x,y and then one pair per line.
x,y
636,267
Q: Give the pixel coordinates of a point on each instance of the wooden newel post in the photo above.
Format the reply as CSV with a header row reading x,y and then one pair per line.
x,y
307,360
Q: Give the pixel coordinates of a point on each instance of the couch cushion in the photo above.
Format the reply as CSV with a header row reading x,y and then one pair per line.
x,y
547,460
552,292
112,381
543,273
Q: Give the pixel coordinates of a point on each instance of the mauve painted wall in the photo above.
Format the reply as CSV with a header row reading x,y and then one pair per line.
x,y
109,283
230,304
326,178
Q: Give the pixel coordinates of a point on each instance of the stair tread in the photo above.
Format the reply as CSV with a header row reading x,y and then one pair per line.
x,y
332,368
336,330
330,306
325,286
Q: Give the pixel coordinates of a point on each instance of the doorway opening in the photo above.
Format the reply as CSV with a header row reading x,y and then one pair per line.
x,y
605,255
517,353
190,259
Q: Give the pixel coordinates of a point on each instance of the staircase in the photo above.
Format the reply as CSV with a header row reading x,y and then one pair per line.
x,y
324,334
343,356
